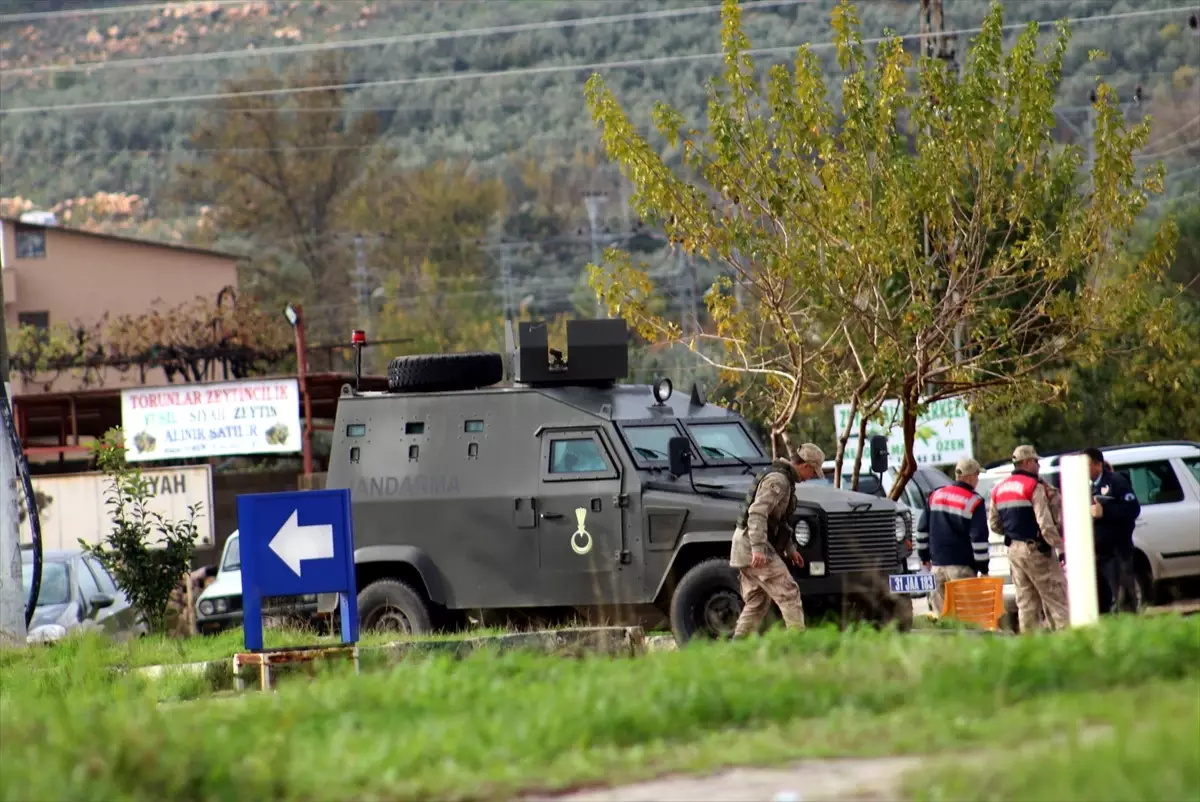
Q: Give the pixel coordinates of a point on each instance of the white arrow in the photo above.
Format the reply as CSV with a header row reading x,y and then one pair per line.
x,y
294,542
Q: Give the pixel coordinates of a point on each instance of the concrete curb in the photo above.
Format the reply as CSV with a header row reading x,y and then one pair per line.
x,y
609,641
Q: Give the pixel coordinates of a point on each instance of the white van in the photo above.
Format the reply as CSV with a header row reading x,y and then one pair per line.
x,y
1166,478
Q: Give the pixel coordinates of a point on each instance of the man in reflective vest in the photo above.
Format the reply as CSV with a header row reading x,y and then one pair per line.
x,y
1022,511
952,534
764,536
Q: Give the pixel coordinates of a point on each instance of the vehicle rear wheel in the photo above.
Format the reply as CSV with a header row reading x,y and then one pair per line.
x,y
389,605
1143,581
707,602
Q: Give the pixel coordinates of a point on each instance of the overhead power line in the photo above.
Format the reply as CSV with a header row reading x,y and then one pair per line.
x,y
411,38
538,70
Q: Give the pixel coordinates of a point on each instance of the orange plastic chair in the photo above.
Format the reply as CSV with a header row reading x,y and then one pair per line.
x,y
975,601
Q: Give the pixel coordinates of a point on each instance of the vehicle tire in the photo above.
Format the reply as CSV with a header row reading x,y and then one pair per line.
x,y
900,614
1144,580
443,372
389,605
707,602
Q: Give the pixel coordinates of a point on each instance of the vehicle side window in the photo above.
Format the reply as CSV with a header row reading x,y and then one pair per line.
x,y
103,578
87,583
576,455
913,497
1153,482
1193,465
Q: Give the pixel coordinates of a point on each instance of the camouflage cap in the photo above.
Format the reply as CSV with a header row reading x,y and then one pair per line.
x,y
810,455
967,467
1022,453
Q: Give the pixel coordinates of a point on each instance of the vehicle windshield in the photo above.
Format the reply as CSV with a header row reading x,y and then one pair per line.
x,y
650,442
55,588
724,441
233,555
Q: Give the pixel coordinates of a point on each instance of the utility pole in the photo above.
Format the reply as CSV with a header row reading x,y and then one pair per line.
x,y
362,286
12,594
506,277
593,201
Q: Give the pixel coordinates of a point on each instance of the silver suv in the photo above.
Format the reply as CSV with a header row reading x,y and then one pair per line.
x,y
1166,478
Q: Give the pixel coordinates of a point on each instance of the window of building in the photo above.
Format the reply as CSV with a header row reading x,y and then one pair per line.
x,y
31,242
39,320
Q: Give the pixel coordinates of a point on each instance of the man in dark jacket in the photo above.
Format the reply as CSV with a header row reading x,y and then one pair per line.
x,y
952,535
1115,509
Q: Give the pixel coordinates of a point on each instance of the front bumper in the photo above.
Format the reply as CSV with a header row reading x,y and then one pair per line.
x,y
858,583
218,622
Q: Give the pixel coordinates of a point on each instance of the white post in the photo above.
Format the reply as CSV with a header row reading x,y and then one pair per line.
x,y
12,594
1077,541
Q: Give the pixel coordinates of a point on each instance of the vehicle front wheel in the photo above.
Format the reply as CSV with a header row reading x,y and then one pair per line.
x,y
389,605
707,602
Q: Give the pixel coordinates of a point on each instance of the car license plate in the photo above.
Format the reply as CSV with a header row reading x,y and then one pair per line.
x,y
912,583
997,550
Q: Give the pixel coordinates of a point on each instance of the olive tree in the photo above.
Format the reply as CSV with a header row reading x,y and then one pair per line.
x,y
928,239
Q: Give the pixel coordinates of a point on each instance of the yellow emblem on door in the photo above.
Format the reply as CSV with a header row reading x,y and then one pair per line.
x,y
581,541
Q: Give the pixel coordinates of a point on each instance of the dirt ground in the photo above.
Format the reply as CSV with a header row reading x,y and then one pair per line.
x,y
825,780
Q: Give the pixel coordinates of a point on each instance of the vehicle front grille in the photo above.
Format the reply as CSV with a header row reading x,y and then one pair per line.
x,y
281,603
862,541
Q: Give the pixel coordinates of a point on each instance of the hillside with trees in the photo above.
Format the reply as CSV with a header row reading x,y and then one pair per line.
x,y
441,169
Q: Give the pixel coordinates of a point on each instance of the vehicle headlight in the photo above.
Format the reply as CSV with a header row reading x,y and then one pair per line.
x,y
47,633
902,519
308,598
206,607
222,605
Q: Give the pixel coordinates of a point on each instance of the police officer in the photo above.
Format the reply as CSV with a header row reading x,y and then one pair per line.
x,y
952,534
1022,511
1115,509
764,536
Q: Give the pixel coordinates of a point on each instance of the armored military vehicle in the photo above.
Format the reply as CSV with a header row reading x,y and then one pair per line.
x,y
557,489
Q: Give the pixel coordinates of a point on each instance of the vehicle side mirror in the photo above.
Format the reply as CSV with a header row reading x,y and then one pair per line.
x,y
879,454
101,600
679,454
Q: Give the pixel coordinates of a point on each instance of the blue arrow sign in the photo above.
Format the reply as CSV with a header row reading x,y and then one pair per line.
x,y
295,544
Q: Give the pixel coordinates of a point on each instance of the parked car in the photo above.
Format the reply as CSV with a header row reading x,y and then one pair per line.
x,y
220,604
77,594
1166,478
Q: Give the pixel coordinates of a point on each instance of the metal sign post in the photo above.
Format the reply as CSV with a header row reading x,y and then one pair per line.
x,y
294,544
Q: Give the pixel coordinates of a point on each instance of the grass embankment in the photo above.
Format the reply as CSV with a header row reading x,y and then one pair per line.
x,y
490,726
160,650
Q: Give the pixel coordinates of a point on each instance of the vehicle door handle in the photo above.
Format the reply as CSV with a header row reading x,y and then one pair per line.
x,y
551,516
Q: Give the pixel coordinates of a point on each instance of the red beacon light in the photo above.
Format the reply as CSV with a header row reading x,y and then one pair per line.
x,y
358,338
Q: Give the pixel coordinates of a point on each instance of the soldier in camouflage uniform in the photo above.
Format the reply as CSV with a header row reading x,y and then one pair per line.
x,y
1023,509
763,537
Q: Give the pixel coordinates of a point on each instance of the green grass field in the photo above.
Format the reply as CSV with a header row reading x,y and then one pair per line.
x,y
491,726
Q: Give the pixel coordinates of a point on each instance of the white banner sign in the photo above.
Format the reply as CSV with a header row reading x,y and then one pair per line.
x,y
943,433
259,416
76,505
